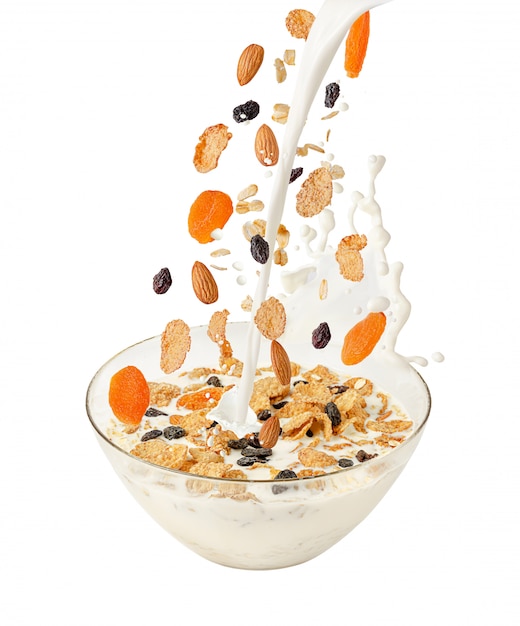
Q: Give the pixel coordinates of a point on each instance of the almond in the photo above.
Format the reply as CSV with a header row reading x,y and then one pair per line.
x,y
281,363
266,146
204,284
249,63
269,433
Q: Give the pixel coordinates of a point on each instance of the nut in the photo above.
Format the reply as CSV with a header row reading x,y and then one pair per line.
x,y
266,146
204,284
281,363
269,433
249,63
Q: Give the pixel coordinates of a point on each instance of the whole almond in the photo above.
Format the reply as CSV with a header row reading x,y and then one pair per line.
x,y
269,433
249,63
266,146
281,363
204,284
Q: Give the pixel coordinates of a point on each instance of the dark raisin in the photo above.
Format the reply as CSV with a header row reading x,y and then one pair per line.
x,y
254,441
151,434
247,111
296,172
309,433
246,461
259,249
345,462
152,412
280,405
238,444
284,474
162,281
263,415
337,389
214,381
363,456
260,453
174,432
321,336
303,382
333,412
331,94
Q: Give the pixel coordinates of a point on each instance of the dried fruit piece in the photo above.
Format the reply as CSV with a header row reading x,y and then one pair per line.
x,y
362,338
259,249
331,94
211,210
321,336
281,363
270,318
204,284
356,45
162,281
269,433
266,146
245,112
249,63
212,143
175,344
296,172
299,22
315,193
129,395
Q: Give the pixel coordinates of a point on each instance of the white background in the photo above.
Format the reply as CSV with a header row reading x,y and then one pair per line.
x,y
101,103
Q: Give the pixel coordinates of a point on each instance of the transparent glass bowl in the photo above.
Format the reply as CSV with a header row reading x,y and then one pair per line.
x,y
257,524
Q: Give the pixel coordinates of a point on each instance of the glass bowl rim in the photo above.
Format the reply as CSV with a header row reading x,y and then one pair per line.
x,y
272,481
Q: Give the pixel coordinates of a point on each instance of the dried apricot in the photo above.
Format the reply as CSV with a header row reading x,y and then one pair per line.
x,y
211,210
356,45
202,399
362,338
129,395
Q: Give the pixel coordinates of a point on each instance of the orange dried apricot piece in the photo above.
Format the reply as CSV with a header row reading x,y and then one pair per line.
x,y
211,210
203,399
356,45
362,338
129,395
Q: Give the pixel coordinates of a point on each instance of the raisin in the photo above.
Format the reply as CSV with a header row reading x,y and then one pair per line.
x,y
337,389
345,462
303,382
254,441
284,474
259,249
246,461
296,172
363,456
331,94
152,412
174,432
247,111
333,413
309,433
214,381
238,444
259,453
151,434
263,415
321,336
162,281
280,405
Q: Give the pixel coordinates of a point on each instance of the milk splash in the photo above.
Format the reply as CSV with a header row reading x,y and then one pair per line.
x,y
329,30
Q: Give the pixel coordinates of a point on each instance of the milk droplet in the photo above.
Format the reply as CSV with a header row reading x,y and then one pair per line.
x,y
238,265
343,106
377,304
337,188
357,310
217,233
419,360
268,174
241,280
438,357
329,157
